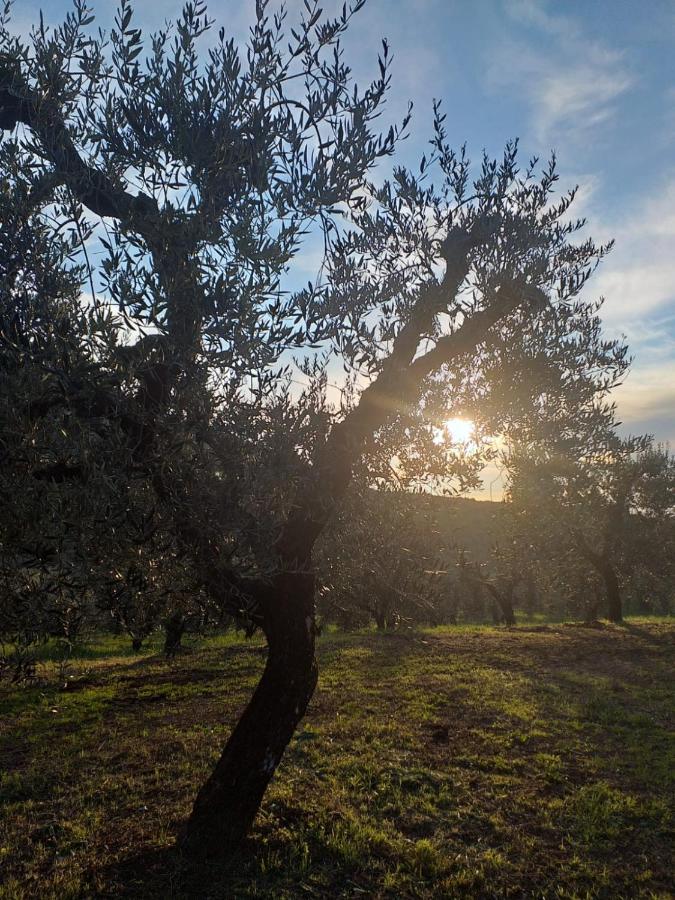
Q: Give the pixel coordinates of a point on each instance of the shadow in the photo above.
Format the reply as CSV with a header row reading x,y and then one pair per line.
x,y
149,873
650,636
167,874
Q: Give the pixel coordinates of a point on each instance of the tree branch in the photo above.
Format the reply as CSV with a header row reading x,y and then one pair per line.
x,y
396,386
91,187
473,330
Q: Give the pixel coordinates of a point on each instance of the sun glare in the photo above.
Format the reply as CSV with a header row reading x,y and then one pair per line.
x,y
459,431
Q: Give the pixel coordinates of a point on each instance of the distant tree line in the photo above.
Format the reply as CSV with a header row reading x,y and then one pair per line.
x,y
572,540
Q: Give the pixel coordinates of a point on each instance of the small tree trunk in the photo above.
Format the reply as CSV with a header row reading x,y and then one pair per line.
x,y
380,619
506,605
613,593
453,606
136,644
603,565
531,597
228,802
174,631
508,616
592,607
502,609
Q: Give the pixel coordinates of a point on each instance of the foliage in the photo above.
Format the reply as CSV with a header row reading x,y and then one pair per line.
x,y
179,176
194,198
611,514
381,562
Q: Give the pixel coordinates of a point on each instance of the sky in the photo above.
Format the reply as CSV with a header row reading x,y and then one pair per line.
x,y
592,79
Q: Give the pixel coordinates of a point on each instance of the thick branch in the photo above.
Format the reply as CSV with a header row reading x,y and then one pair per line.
x,y
91,187
473,330
597,560
396,387
170,245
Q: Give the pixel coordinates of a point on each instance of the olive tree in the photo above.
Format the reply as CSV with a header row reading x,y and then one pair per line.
x,y
193,179
379,561
44,591
610,512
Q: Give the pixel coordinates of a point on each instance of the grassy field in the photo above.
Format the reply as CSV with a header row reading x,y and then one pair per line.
x,y
471,762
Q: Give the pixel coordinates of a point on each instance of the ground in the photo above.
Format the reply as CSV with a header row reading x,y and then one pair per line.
x,y
467,762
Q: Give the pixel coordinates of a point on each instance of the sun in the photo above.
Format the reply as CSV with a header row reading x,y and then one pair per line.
x,y
460,431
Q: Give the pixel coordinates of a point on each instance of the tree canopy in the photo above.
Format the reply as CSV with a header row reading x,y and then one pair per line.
x,y
161,188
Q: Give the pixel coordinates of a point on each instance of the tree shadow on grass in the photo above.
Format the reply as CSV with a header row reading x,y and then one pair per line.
x,y
663,637
168,874
149,873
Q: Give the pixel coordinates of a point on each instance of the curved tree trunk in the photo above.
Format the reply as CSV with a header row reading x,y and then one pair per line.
x,y
228,802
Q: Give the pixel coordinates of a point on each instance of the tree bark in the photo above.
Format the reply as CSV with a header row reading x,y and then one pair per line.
x,y
174,631
592,607
506,606
531,597
228,802
603,565
504,603
613,593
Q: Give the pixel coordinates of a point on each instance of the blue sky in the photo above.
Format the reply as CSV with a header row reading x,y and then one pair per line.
x,y
594,79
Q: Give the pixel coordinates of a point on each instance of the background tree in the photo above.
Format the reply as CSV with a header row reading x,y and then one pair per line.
x,y
606,510
380,561
45,592
199,179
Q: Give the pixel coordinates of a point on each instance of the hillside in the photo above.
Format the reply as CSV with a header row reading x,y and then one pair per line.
x,y
462,522
445,523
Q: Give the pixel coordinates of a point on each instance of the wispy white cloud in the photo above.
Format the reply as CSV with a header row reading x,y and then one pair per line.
x,y
536,13
646,400
638,284
572,84
638,279
578,98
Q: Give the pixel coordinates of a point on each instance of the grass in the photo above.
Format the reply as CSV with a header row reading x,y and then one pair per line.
x,y
465,762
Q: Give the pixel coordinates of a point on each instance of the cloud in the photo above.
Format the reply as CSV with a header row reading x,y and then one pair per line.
x,y
534,12
579,98
571,86
646,400
635,289
638,279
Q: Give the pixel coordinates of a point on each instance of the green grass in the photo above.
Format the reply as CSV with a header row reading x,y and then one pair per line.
x,y
466,762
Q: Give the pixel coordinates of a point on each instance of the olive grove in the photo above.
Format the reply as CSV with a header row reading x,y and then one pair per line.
x,y
166,378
